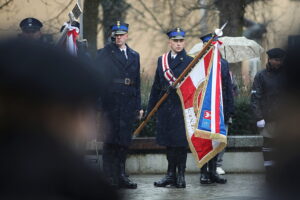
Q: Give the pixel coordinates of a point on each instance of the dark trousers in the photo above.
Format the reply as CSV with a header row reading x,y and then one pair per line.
x,y
211,166
176,157
268,154
114,160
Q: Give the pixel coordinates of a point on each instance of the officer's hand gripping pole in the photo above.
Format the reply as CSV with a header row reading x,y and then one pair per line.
x,y
218,32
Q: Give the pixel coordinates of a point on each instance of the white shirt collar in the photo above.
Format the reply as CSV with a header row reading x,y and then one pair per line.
x,y
173,55
124,49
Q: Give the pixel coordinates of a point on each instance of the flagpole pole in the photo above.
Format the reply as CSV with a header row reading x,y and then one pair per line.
x,y
179,79
79,2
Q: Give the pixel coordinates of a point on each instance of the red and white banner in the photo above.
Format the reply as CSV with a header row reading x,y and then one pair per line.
x,y
201,98
69,42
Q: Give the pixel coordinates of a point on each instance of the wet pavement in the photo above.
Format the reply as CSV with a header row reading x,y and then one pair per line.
x,y
238,187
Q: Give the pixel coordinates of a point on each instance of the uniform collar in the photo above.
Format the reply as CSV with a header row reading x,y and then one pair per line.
x,y
124,49
173,54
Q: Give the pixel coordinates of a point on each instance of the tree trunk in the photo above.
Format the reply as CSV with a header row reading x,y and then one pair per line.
x,y
232,11
113,10
90,23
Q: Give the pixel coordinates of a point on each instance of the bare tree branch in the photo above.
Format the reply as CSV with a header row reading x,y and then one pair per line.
x,y
61,12
152,15
198,6
5,3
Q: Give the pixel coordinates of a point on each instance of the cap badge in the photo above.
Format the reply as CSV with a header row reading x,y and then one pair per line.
x,y
178,30
118,23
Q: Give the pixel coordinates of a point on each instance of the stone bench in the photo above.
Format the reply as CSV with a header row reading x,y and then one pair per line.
x,y
148,144
243,155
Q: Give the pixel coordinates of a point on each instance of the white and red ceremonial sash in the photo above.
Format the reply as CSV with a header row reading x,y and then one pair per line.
x,y
201,98
166,69
70,40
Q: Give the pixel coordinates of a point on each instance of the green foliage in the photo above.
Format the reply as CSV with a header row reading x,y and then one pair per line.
x,y
149,130
243,121
146,84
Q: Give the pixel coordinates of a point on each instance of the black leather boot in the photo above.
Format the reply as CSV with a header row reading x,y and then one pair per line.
x,y
204,177
181,164
170,177
124,181
214,176
180,183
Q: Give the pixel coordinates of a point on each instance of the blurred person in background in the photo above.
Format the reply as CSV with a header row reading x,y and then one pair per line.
x,y
31,28
47,106
265,97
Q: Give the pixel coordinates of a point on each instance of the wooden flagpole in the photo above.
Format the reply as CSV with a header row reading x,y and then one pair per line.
x,y
178,80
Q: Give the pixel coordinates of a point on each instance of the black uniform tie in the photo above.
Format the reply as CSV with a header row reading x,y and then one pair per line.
x,y
124,54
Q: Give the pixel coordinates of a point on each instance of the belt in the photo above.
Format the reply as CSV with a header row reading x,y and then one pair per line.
x,y
125,81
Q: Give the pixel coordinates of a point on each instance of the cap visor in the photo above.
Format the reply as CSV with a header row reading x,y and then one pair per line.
x,y
120,32
177,37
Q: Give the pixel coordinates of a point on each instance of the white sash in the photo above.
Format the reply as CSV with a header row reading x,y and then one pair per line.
x,y
168,74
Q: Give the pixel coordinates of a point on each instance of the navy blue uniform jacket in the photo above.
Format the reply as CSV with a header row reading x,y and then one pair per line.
x,y
122,101
227,90
170,123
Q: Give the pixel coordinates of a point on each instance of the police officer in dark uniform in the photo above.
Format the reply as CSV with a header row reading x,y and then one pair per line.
x,y
170,123
31,28
265,96
208,171
121,67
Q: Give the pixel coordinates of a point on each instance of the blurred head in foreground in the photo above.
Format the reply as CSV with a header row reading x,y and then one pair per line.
x,y
47,101
42,88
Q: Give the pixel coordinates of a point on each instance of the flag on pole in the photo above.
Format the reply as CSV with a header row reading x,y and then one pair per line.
x,y
69,40
201,98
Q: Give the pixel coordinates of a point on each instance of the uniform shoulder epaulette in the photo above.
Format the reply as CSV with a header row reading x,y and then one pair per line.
x,y
133,51
190,57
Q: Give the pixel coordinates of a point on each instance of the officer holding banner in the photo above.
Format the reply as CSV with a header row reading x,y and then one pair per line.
x,y
170,123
